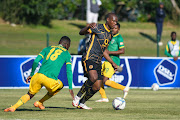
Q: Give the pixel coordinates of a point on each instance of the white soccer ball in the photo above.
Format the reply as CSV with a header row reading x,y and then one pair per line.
x,y
155,86
119,103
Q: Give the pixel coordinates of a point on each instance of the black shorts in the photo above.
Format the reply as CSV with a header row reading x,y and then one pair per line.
x,y
90,65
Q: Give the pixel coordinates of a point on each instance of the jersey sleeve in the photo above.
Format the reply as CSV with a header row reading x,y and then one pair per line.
x,y
37,60
166,52
69,71
94,30
120,42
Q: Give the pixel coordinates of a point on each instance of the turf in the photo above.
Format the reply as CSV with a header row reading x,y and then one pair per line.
x,y
139,38
140,104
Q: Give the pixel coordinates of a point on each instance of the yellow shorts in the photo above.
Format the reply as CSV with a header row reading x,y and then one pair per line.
x,y
39,80
107,69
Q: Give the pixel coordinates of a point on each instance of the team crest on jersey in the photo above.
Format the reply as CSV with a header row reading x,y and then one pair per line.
x,y
165,72
112,41
91,67
26,68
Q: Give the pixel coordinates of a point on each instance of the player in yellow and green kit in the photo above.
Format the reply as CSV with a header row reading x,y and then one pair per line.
x,y
53,59
115,48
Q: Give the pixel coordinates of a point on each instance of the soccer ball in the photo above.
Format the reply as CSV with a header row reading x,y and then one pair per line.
x,y
155,86
119,103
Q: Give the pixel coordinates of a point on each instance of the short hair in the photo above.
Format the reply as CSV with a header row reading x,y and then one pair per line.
x,y
173,33
118,25
109,14
65,39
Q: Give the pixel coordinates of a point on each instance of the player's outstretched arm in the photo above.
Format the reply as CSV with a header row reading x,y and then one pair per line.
x,y
69,75
166,51
85,30
72,93
120,51
108,58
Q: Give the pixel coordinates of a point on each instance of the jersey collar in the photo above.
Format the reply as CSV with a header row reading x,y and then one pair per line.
x,y
106,28
61,46
116,35
173,42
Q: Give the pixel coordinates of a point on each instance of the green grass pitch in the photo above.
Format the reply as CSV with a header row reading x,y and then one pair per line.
x,y
140,104
139,38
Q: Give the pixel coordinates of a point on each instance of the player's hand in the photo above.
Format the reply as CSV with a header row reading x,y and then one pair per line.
x,y
28,79
72,93
92,25
115,67
175,58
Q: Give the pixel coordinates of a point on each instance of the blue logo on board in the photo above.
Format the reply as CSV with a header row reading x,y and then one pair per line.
x,y
26,68
165,72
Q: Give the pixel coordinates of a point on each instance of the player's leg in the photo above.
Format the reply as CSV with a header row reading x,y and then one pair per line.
x,y
95,18
20,102
108,73
89,93
103,94
53,87
89,17
86,84
102,90
96,75
35,86
93,76
118,86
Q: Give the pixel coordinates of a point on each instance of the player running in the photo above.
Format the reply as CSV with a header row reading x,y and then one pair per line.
x,y
53,59
91,60
115,48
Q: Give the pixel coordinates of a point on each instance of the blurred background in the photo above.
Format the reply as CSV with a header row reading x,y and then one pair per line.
x,y
25,25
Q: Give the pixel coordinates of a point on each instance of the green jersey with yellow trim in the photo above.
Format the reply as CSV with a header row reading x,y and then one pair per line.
x,y
53,59
115,44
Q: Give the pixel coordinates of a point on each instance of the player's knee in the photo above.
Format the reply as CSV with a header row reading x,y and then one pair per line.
x,y
93,78
55,92
61,87
96,88
31,95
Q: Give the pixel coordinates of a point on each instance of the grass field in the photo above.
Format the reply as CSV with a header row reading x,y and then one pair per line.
x,y
140,104
139,38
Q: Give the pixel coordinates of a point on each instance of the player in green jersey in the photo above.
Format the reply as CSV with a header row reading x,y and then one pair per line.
x,y
173,47
53,59
115,48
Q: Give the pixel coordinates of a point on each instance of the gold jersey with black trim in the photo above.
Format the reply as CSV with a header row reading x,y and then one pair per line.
x,y
100,38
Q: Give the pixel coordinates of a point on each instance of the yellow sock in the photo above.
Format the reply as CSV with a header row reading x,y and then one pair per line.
x,y
102,92
46,97
22,101
114,85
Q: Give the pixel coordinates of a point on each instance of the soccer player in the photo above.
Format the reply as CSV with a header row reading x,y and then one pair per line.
x,y
173,47
91,60
53,59
115,48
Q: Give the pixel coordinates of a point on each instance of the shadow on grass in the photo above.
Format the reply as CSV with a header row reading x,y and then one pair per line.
x,y
148,37
62,107
78,25
43,110
29,110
